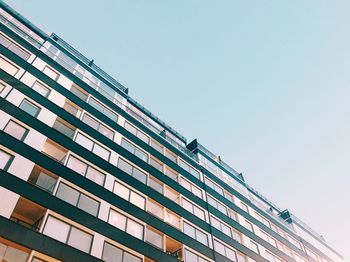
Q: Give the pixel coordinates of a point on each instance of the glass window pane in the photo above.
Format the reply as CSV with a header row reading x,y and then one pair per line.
x,y
189,230
101,152
154,238
156,185
130,128
50,72
137,200
135,229
111,253
56,229
139,175
220,248
106,132
141,154
130,258
190,257
67,194
29,107
15,130
143,137
121,190
90,121
118,220
88,204
95,175
77,165
198,212
8,66
84,141
19,51
201,237
127,146
80,240
15,255
125,166
5,42
155,209
46,182
41,89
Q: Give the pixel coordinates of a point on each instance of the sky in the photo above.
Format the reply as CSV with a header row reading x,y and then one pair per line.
x,y
265,84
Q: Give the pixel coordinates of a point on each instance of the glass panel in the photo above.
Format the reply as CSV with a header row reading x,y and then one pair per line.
x,y
56,229
95,175
101,152
139,175
67,194
106,132
8,67
201,237
29,107
19,51
135,229
130,258
50,73
154,238
155,209
84,141
15,130
80,240
137,200
125,166
121,190
88,204
14,255
78,92
41,89
77,165
90,121
189,230
45,181
141,154
156,185
111,253
127,146
117,220
63,127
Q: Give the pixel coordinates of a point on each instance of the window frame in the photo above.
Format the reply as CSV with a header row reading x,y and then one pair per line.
x,y
23,137
31,103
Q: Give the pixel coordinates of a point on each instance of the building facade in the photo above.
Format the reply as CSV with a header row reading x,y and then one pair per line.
x,y
89,174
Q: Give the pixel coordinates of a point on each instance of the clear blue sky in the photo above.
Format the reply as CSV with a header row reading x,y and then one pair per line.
x,y
265,84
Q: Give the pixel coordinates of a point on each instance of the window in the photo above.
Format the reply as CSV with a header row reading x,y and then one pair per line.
x,y
14,47
156,163
191,187
16,130
103,109
9,253
195,233
192,257
29,107
8,66
155,209
225,250
189,169
157,146
86,170
254,247
72,108
214,186
41,88
294,241
43,179
54,150
272,258
129,195
135,131
156,184
154,237
215,203
5,160
64,127
68,234
78,199
104,130
171,173
126,224
172,219
268,238
92,146
249,226
131,170
172,194
2,87
134,150
79,92
192,208
170,155
51,73
115,254
245,207
220,226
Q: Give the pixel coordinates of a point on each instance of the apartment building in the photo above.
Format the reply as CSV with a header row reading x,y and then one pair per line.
x,y
88,174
